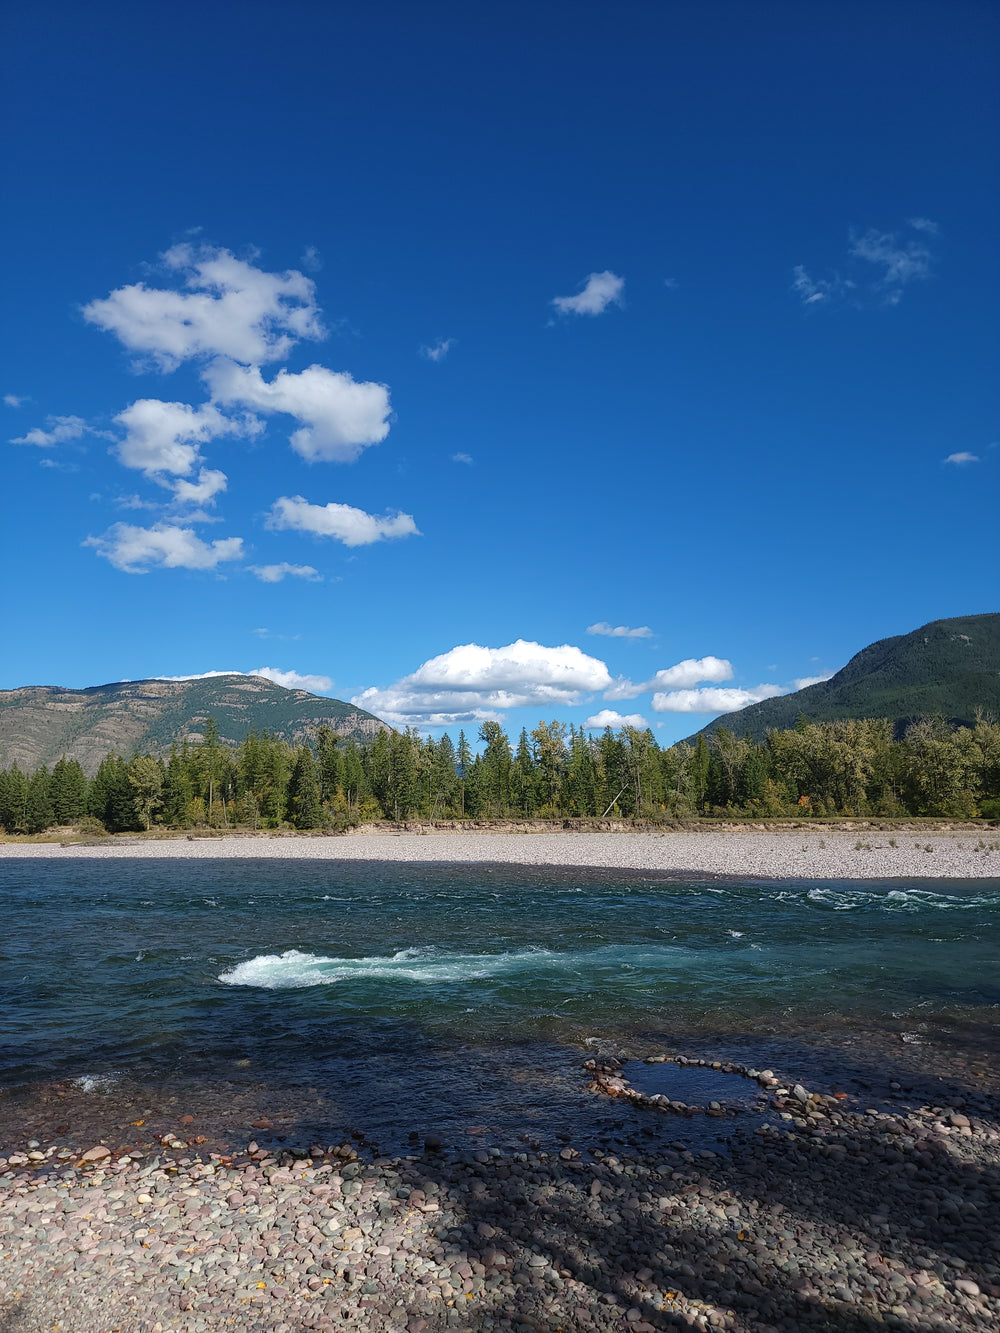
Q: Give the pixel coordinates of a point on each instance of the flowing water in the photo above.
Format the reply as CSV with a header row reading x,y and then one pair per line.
x,y
431,991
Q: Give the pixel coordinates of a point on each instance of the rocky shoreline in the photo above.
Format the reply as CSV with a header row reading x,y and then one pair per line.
x,y
827,1213
862,850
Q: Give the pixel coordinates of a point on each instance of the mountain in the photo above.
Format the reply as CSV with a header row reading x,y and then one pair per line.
x,y
40,723
949,667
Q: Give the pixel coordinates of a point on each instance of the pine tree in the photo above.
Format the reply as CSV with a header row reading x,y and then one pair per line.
x,y
68,792
38,812
13,799
303,792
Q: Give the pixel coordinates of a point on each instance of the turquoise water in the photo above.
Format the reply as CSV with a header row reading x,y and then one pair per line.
x,y
297,967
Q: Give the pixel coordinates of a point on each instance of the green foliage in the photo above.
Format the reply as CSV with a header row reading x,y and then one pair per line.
x,y
850,767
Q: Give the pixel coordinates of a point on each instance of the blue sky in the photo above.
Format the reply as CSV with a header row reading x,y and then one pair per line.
x,y
410,350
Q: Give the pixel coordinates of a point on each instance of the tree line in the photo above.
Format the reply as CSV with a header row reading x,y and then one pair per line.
x,y
846,768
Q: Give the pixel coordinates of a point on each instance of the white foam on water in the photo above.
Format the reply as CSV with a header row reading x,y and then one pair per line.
x,y
735,934
95,1082
294,969
898,900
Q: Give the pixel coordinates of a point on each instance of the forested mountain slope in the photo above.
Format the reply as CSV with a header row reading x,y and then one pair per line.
x,y
949,667
40,723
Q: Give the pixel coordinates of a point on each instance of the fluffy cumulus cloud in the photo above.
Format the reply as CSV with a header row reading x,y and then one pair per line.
x,y
340,416
342,522
962,459
691,671
136,550
607,717
711,700
60,429
227,307
599,291
276,573
165,437
289,680
470,683
804,682
620,631
209,484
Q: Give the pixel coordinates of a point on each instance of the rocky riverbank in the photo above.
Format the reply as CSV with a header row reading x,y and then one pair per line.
x,y
827,1214
864,851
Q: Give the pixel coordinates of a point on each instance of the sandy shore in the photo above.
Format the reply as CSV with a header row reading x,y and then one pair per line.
x,y
799,854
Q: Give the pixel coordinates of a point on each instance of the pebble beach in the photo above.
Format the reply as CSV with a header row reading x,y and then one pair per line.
x,y
824,1209
864,853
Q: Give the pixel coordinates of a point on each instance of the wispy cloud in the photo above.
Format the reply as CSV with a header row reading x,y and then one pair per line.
x,y
620,631
599,291
437,351
803,682
12,400
462,458
276,573
342,522
312,260
962,459
879,266
61,429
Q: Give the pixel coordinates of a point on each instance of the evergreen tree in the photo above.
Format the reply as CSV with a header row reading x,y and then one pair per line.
x,y
303,792
68,791
13,799
111,797
38,811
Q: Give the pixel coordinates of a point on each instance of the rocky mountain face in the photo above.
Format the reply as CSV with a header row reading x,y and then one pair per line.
x,y
41,723
949,668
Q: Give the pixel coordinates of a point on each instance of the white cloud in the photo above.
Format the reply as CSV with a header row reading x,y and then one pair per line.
x,y
599,291
713,700
164,437
961,459
439,350
462,458
311,259
12,400
275,574
292,680
689,672
620,631
60,430
470,683
344,523
289,680
340,415
804,682
210,483
900,261
163,546
230,308
811,290
607,717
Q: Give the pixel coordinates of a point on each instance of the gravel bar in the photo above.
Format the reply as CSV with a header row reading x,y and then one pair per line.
x,y
799,854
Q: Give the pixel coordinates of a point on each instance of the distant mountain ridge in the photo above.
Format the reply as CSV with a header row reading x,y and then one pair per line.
x,y
948,667
41,723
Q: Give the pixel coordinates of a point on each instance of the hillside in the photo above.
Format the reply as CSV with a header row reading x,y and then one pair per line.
x,y
40,723
949,667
